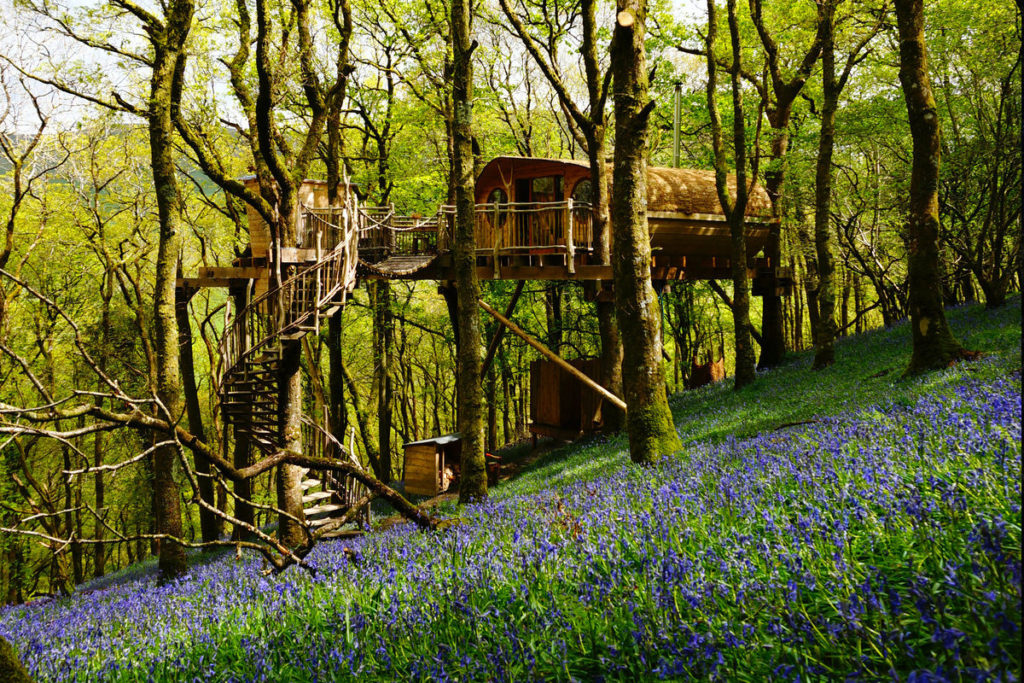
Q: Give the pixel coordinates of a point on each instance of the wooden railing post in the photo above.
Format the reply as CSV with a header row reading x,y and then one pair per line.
x,y
496,235
570,249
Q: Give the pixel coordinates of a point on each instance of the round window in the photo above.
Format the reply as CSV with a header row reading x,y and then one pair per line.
x,y
583,191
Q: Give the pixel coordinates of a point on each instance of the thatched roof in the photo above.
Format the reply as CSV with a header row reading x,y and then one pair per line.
x,y
692,191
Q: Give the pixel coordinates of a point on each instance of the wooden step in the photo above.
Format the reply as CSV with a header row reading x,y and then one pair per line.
x,y
317,495
325,508
311,483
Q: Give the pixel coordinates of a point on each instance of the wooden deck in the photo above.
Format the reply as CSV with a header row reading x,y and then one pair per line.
x,y
515,241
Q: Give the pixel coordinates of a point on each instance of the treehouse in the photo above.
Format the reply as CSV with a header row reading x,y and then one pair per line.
x,y
313,202
539,212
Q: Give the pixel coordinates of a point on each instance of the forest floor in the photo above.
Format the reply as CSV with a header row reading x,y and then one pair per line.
x,y
848,523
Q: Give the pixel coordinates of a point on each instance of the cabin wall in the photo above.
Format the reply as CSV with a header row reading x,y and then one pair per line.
x,y
312,193
422,464
560,402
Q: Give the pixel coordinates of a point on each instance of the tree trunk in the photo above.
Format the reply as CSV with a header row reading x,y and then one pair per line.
x,y
383,353
607,325
825,330
168,67
648,420
735,211
210,524
553,311
773,337
336,378
934,344
289,477
11,669
243,489
473,484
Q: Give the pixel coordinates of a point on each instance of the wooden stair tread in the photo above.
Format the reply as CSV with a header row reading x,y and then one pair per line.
x,y
317,495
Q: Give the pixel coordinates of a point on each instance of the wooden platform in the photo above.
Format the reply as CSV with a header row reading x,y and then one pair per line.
x,y
439,267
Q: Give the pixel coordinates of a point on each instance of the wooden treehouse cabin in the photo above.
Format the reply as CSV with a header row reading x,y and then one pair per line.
x,y
537,213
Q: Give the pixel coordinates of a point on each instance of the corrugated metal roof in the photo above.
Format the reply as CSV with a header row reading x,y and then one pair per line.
x,y
438,440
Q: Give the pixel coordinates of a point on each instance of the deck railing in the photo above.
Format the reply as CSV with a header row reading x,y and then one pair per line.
x,y
513,227
521,226
383,233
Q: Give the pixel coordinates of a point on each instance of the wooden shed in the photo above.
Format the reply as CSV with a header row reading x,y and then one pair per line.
x,y
432,465
561,406
684,216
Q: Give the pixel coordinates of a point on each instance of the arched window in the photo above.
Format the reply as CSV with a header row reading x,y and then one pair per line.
x,y
500,197
583,191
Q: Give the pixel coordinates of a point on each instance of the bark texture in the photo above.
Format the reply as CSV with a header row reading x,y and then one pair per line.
x,y
934,344
289,477
825,329
735,211
473,485
648,420
11,670
209,523
168,41
786,86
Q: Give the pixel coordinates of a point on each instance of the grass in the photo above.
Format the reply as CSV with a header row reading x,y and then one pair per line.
x,y
881,539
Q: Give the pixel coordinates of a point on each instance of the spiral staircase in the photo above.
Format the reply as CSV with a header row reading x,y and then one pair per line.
x,y
252,346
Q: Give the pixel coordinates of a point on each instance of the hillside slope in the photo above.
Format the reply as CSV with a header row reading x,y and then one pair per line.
x,y
880,536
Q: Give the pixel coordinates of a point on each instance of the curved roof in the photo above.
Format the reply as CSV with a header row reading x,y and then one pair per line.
x,y
693,191
683,190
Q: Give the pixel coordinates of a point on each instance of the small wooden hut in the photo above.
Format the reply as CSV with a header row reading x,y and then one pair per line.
x,y
432,465
561,406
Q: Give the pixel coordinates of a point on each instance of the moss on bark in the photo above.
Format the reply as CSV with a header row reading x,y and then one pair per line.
x,y
11,669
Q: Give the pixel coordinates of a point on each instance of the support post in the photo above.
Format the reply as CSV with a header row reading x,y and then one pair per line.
x,y
570,249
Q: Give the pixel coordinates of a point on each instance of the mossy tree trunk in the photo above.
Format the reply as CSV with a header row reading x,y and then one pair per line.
x,y
934,344
210,524
383,364
473,485
244,511
648,420
11,669
595,134
168,40
786,85
289,477
825,330
735,209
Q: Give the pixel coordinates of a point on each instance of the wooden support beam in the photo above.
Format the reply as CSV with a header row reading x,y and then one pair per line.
x,y
553,357
499,333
